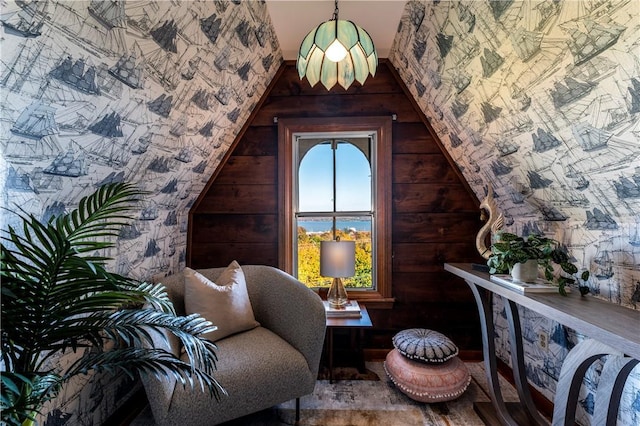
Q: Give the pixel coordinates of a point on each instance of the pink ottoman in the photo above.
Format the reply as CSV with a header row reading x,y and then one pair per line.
x,y
427,382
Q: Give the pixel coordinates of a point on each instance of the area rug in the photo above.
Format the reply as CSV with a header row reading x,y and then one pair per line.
x,y
370,403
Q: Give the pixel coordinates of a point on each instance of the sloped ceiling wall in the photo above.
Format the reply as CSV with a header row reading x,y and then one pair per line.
x,y
540,100
152,92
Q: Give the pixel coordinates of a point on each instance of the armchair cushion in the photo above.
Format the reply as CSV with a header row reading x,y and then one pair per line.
x,y
225,304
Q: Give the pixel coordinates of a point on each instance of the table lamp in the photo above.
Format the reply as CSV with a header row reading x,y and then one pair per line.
x,y
337,260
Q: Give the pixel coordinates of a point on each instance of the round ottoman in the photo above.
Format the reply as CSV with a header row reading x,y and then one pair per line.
x,y
427,382
425,345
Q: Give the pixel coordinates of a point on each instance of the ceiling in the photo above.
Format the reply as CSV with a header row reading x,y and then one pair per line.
x,y
293,19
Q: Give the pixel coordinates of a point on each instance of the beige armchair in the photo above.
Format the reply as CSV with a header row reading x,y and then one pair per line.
x,y
270,364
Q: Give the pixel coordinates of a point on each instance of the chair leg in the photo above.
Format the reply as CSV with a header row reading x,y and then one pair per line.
x,y
297,410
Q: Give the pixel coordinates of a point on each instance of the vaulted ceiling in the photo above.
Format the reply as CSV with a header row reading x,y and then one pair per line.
x,y
293,19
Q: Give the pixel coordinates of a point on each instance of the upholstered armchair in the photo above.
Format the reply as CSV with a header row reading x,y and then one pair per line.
x,y
274,362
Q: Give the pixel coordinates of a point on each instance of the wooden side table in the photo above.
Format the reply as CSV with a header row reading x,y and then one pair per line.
x,y
353,323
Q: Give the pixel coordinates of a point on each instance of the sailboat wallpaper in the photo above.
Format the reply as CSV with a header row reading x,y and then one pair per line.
x,y
107,91
539,99
557,83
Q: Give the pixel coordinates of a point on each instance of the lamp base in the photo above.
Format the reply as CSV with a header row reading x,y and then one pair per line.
x,y
337,295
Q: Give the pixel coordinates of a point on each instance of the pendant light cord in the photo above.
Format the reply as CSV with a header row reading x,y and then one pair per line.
x,y
335,12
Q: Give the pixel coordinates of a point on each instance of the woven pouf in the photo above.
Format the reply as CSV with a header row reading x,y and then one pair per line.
x,y
427,382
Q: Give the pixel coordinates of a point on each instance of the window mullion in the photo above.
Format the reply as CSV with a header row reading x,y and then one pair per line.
x,y
334,148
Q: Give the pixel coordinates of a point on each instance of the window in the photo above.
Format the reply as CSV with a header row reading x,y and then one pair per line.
x,y
322,164
333,189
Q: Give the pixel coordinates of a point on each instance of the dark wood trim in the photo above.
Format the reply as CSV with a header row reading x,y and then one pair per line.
x,y
223,161
435,136
382,125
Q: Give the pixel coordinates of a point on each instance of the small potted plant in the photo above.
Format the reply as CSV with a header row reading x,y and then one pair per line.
x,y
512,251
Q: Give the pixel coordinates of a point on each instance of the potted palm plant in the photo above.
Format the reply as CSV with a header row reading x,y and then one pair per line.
x,y
511,251
57,296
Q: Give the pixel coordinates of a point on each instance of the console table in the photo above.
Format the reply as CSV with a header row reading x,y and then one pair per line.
x,y
612,329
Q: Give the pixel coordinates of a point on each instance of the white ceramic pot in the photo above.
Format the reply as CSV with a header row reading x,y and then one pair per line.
x,y
525,272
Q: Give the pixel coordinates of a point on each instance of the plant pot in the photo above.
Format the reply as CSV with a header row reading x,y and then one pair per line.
x,y
525,272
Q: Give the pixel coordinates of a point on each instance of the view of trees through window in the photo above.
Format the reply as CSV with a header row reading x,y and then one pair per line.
x,y
309,257
334,194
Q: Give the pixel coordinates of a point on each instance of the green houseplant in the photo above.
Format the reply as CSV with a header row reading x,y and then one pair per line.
x,y
57,296
511,249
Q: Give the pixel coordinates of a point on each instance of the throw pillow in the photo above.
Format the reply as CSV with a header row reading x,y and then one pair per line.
x,y
226,303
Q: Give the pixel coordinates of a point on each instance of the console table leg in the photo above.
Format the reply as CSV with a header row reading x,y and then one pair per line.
x,y
612,379
572,372
517,363
485,309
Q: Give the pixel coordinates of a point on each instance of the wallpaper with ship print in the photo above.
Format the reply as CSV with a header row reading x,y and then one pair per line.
x,y
540,100
151,92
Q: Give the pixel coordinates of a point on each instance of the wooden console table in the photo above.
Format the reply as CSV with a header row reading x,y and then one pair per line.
x,y
613,328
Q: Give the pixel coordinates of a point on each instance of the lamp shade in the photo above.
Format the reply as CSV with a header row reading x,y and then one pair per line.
x,y
337,259
343,38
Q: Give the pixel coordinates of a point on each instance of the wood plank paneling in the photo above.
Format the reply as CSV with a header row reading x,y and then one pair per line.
x,y
289,84
363,105
248,170
210,255
257,228
422,168
435,219
258,141
431,197
430,286
430,257
413,138
239,198
429,227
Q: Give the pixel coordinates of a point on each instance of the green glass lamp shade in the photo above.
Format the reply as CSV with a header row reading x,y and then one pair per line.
x,y
359,61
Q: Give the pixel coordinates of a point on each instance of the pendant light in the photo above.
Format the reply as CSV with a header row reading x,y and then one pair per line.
x,y
337,51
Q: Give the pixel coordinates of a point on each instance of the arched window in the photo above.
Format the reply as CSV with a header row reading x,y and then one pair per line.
x,y
335,181
334,201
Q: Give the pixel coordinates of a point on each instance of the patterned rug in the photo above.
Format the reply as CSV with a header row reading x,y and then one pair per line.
x,y
370,402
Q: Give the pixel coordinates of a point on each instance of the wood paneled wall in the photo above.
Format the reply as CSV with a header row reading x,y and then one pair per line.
x,y
435,216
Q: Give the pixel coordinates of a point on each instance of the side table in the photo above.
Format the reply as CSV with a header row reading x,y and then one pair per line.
x,y
353,323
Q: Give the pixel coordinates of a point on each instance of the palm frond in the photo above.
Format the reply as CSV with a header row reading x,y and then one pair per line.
x,y
22,395
132,328
57,295
101,214
157,362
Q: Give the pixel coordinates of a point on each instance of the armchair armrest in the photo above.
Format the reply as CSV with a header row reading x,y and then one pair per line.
x,y
287,307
